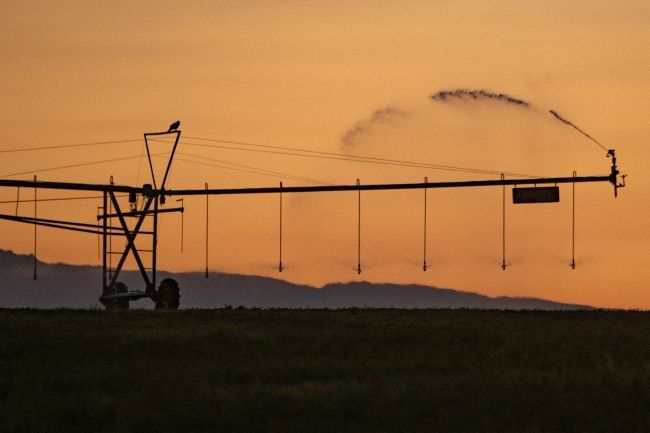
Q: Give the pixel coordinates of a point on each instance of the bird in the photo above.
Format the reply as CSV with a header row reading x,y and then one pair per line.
x,y
174,126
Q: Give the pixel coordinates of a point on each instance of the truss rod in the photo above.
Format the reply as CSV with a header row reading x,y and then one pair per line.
x,y
54,225
30,220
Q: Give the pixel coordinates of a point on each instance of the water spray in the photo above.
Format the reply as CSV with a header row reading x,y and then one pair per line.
x,y
476,95
578,129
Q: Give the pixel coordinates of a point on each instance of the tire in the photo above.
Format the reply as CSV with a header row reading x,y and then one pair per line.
x,y
167,297
119,303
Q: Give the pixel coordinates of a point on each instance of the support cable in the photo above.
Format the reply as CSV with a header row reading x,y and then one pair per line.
x,y
110,239
245,168
280,266
17,200
98,233
137,179
425,226
67,146
154,243
35,201
104,223
182,222
83,164
207,208
337,156
359,232
573,228
503,265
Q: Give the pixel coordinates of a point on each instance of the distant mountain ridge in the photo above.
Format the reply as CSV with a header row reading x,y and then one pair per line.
x,y
70,286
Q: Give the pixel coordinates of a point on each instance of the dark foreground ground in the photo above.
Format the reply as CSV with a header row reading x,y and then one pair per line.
x,y
345,370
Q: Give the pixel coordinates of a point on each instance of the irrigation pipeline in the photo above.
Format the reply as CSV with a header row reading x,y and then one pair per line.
x,y
387,186
149,192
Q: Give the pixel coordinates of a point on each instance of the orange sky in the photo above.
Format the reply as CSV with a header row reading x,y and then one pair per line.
x,y
302,75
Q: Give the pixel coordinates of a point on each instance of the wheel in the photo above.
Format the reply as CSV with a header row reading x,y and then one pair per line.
x,y
117,303
167,297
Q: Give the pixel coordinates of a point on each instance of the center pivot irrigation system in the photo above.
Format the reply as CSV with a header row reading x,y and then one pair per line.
x,y
115,294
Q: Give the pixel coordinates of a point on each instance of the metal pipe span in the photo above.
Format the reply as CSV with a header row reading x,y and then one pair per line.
x,y
320,188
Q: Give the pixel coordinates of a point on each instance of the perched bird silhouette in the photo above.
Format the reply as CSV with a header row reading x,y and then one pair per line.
x,y
174,126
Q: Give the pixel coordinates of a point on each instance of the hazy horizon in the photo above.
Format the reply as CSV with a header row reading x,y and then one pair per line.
x,y
60,285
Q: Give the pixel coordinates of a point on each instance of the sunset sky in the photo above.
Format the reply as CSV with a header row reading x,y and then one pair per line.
x,y
352,79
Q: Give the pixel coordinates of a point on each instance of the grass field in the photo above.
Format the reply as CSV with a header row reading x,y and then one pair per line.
x,y
324,371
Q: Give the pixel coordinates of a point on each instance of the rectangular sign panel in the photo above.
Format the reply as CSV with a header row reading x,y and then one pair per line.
x,y
545,194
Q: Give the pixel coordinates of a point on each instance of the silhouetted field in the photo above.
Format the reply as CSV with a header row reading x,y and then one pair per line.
x,y
324,370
